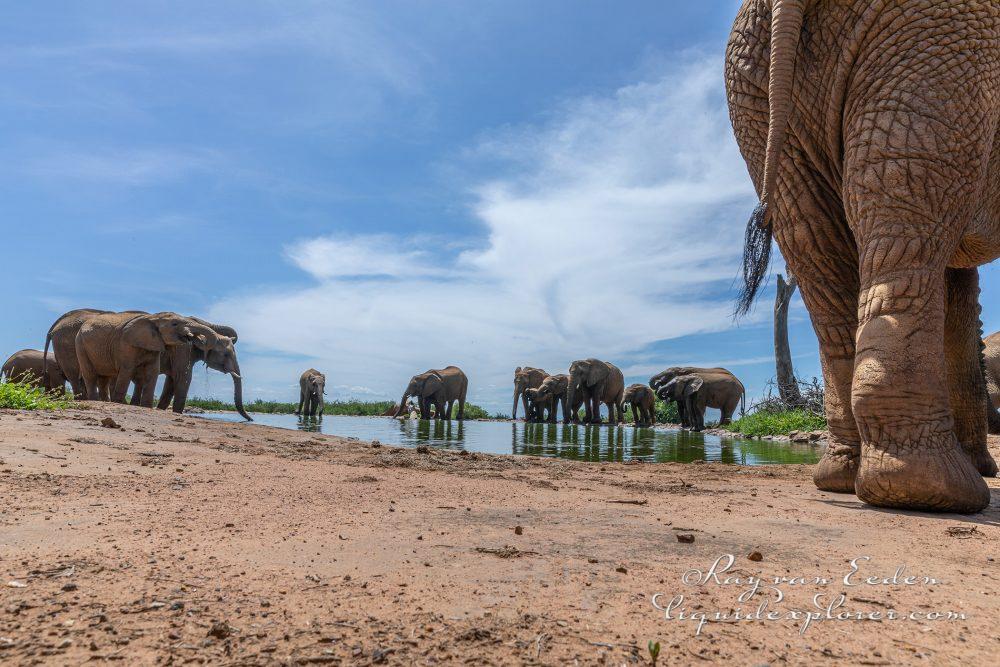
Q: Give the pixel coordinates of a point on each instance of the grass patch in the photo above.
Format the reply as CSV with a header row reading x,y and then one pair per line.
x,y
22,396
345,408
777,423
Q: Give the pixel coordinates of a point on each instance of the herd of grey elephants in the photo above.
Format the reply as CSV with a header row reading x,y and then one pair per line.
x,y
589,384
101,353
592,382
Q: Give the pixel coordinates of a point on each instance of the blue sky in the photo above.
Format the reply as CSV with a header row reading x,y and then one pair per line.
x,y
376,188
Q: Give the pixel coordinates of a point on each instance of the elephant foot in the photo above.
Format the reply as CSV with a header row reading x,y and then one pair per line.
x,y
837,470
983,462
935,479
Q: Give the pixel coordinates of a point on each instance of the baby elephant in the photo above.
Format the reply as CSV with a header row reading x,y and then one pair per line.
x,y
643,403
311,390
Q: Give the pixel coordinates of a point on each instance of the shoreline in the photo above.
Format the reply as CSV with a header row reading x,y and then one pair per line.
x,y
175,538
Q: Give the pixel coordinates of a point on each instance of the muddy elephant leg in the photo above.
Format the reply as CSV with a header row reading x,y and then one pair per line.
x,y
812,231
910,457
103,389
966,383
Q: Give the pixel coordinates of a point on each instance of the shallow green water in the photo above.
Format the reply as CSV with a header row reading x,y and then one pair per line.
x,y
581,443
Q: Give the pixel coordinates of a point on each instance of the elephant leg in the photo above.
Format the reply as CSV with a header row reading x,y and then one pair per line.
x,y
812,231
103,389
302,400
966,382
137,386
461,408
148,379
89,377
906,234
122,381
167,395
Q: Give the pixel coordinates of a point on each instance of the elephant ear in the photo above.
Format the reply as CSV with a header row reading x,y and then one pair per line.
x,y
692,383
142,333
432,384
598,372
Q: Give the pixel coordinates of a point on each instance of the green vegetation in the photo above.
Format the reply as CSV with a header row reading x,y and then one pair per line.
x,y
22,396
782,422
666,413
349,408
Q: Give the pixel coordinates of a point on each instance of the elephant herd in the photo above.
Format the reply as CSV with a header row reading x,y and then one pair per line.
x,y
592,382
102,353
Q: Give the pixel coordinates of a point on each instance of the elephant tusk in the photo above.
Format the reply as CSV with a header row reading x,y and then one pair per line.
x,y
236,375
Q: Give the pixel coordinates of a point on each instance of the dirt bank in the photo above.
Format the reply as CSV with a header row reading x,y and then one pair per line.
x,y
166,539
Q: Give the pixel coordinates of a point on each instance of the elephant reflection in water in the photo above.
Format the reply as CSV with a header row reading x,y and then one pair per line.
x,y
436,431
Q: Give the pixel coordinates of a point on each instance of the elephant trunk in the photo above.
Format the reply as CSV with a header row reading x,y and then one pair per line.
x,y
402,403
786,27
238,394
517,397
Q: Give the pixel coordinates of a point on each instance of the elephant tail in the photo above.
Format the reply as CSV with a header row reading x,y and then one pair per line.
x,y
786,27
45,353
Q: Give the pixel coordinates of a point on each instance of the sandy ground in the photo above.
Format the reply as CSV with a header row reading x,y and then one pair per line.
x,y
173,539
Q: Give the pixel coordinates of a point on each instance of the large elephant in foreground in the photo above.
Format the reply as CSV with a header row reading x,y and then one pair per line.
x,y
440,388
222,358
597,382
871,137
32,367
116,349
526,378
721,390
312,387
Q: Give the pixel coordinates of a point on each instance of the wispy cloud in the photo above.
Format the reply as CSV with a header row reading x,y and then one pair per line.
x,y
353,39
134,167
610,227
375,255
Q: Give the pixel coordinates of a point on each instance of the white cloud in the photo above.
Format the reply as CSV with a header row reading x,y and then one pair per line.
x,y
373,255
615,225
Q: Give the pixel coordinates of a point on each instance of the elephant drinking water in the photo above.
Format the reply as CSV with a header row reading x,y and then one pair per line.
x,y
526,378
440,388
721,390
